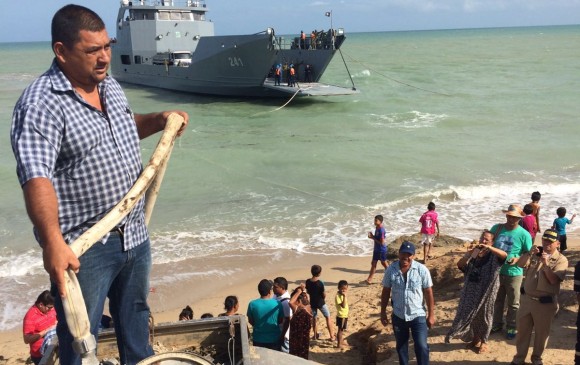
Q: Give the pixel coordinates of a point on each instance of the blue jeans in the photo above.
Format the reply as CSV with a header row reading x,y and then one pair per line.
x,y
123,276
418,328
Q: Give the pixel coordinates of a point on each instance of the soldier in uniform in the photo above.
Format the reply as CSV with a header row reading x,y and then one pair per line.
x,y
545,268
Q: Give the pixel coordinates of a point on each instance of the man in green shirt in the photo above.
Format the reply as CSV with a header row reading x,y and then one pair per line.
x,y
515,240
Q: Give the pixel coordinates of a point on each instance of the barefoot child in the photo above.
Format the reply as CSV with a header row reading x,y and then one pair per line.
x,y
380,247
341,312
428,223
315,288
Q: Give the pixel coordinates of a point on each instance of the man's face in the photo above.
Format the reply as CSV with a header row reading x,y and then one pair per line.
x,y
512,222
550,246
405,259
87,62
278,290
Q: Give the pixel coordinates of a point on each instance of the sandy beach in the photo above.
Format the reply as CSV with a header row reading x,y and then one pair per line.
x,y
369,342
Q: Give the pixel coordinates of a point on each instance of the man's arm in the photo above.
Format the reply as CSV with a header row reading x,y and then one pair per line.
x,y
148,124
385,296
42,207
430,300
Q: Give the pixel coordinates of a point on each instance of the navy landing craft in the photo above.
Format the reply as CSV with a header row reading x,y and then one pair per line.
x,y
171,45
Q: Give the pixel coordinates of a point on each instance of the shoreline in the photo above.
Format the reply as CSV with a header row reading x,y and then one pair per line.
x,y
240,275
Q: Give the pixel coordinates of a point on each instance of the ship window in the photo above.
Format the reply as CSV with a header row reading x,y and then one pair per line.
x,y
125,59
186,16
137,60
175,16
163,15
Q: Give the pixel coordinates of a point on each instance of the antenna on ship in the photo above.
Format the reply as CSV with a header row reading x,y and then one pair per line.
x,y
329,14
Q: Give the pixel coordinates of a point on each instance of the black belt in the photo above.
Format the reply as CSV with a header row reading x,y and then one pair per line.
x,y
120,230
544,300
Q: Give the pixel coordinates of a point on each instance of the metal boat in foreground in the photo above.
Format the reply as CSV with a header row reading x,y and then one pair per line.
x,y
212,341
171,45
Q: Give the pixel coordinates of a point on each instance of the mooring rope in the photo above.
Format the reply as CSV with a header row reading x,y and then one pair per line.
x,y
395,80
282,185
347,70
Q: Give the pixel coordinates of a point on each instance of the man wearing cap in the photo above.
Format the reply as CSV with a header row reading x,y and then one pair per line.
x,y
411,287
545,269
515,240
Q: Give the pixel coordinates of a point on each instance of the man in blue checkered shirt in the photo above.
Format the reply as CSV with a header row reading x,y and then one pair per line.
x,y
409,285
76,143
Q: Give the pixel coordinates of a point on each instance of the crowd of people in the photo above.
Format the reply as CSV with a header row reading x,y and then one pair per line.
x,y
510,285
50,140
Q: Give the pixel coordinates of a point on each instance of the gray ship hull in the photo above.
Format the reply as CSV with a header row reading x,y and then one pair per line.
x,y
236,68
170,44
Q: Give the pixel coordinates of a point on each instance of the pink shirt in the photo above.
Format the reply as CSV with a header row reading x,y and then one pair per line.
x,y
529,224
428,221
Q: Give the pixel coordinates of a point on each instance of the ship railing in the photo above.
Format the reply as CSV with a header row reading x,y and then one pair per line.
x,y
177,3
323,40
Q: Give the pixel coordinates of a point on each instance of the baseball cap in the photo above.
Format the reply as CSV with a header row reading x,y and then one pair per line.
x,y
407,247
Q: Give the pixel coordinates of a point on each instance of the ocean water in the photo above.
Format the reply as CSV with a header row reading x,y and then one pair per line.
x,y
471,119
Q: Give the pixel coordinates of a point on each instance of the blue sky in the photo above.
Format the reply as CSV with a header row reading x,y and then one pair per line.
x,y
29,20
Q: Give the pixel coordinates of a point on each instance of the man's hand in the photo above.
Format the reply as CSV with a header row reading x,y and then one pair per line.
x,y
58,257
185,119
384,318
149,124
430,320
513,261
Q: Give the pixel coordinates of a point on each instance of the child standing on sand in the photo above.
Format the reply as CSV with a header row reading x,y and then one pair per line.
x,y
529,221
315,288
380,247
428,223
560,226
536,196
341,312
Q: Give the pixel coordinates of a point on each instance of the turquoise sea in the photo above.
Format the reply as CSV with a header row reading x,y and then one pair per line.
x,y
472,119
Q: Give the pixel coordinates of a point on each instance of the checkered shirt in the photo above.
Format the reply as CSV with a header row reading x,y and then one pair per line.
x,y
91,157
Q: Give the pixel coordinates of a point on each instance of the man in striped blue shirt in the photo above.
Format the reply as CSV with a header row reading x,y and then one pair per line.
x,y
76,143
408,284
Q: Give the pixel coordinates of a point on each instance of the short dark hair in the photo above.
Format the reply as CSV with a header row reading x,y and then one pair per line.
x,y
528,209
342,283
45,298
186,313
536,196
206,315
315,270
379,218
281,282
264,287
561,212
431,206
70,20
230,302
